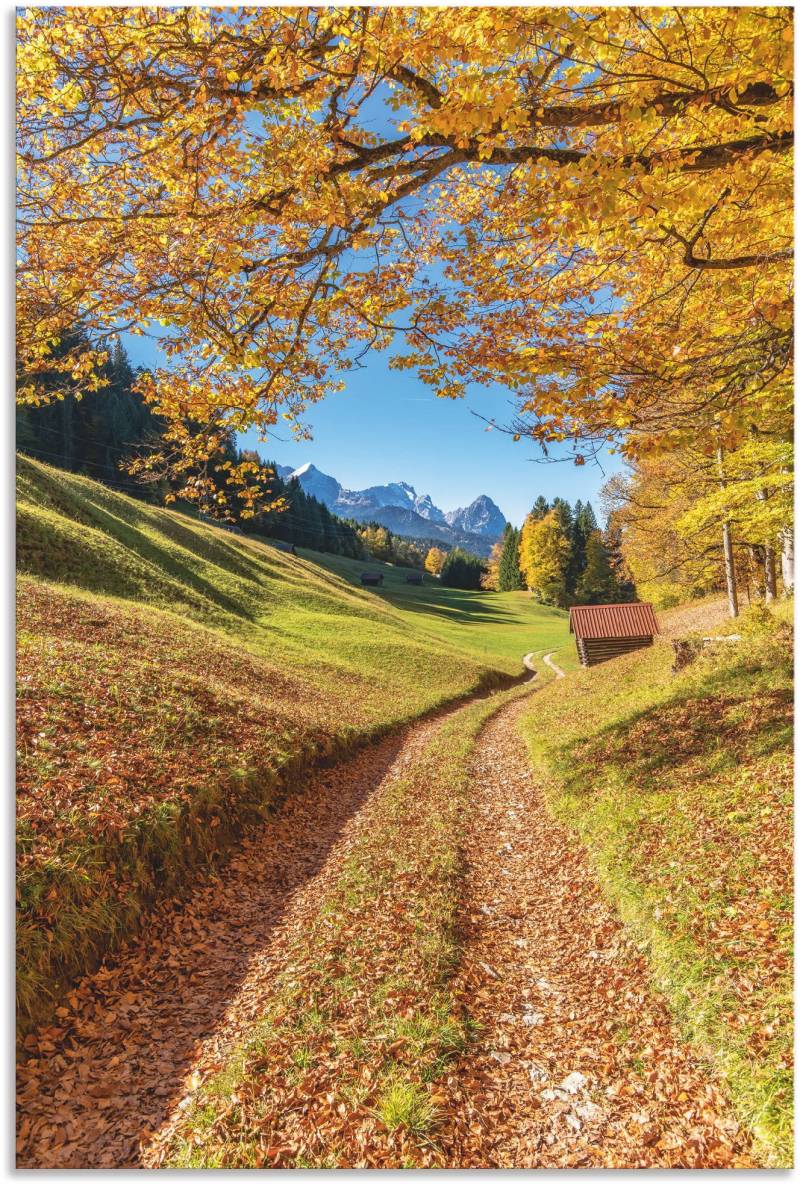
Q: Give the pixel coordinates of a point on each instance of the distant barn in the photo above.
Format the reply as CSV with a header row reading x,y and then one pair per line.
x,y
372,577
414,577
288,547
604,631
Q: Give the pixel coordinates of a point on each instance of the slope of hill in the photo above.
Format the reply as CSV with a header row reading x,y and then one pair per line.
x,y
681,787
173,680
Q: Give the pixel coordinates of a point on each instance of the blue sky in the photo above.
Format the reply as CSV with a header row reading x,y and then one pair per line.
x,y
388,426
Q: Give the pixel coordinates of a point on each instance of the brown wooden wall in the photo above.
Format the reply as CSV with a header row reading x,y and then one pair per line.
x,y
593,650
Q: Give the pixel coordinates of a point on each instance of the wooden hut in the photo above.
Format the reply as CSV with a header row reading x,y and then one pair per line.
x,y
604,631
414,577
373,578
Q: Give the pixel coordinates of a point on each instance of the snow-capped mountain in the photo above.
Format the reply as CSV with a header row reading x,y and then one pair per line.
x,y
426,509
319,485
399,507
481,517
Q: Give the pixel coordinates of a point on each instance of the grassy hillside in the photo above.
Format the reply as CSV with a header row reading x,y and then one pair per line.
x,y
681,786
174,677
493,627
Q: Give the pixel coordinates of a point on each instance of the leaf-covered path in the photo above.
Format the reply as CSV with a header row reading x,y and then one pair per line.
x,y
134,1040
575,1060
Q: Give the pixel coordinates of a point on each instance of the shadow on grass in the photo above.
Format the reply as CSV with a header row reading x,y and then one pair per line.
x,y
462,608
650,745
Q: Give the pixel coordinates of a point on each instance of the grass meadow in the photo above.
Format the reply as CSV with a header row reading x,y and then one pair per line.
x,y
174,678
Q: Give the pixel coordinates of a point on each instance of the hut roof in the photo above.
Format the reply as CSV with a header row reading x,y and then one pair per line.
x,y
613,620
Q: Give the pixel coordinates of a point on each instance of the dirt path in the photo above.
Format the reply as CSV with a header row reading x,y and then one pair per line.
x,y
577,1062
548,661
101,1085
528,663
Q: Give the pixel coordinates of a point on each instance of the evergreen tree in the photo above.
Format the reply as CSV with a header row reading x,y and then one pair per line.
x,y
462,570
95,433
563,512
626,588
583,523
540,507
509,576
588,520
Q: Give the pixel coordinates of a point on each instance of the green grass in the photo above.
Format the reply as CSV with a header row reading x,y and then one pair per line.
x,y
175,678
681,787
493,627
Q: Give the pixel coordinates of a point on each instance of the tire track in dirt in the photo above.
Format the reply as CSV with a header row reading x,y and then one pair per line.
x,y
548,661
104,1080
577,1061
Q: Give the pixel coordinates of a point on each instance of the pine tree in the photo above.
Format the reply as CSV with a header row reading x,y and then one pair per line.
x,y
462,570
626,588
583,523
540,507
563,512
588,519
509,576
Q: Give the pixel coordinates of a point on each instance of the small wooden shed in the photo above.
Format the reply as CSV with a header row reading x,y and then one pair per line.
x,y
414,577
372,578
604,631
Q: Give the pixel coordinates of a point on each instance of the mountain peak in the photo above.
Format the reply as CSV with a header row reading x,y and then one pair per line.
x,y
399,507
326,489
481,517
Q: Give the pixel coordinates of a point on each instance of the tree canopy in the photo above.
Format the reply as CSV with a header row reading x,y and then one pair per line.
x,y
591,207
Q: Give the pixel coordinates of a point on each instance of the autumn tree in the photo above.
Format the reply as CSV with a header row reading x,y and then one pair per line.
x,y
544,557
589,207
490,580
434,560
670,512
598,583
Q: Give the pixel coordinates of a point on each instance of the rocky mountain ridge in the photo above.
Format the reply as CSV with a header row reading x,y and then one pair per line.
x,y
399,507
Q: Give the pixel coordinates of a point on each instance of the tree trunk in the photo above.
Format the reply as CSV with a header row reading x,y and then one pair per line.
x,y
727,551
770,583
787,559
730,570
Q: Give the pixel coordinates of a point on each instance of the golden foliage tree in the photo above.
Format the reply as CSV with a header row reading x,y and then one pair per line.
x,y
670,511
434,560
606,192
544,553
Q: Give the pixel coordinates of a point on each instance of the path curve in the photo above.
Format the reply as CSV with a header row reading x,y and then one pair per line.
x,y
527,662
559,673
